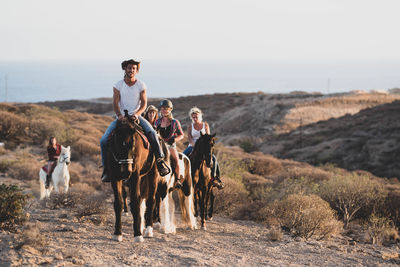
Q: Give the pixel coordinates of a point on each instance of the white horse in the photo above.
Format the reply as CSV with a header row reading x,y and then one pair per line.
x,y
60,176
186,199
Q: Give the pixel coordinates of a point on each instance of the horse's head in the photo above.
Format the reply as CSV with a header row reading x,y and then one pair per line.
x,y
205,147
123,145
65,155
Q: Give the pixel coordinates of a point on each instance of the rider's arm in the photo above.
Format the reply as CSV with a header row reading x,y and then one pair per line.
x,y
190,137
116,98
179,133
207,128
143,103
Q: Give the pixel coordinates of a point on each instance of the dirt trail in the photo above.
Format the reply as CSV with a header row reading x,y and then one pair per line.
x,y
225,243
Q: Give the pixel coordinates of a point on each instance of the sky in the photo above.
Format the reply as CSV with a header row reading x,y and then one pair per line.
x,y
234,30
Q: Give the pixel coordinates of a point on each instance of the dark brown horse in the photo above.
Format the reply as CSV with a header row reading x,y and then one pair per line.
x,y
201,161
129,159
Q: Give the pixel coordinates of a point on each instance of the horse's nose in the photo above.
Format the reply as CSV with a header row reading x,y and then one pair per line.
x,y
68,162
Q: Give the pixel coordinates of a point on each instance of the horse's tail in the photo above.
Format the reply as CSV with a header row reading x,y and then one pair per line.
x,y
186,200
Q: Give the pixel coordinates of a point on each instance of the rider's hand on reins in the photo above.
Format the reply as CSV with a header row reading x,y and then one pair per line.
x,y
134,117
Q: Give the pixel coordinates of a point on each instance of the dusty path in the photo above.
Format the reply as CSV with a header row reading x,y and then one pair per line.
x,y
225,243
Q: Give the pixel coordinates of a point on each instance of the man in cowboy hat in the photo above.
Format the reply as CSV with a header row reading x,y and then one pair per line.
x,y
130,94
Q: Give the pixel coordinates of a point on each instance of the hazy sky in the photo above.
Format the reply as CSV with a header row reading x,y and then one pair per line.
x,y
192,30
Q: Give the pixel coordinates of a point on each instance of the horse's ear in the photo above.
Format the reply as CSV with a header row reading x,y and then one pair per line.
x,y
201,134
213,135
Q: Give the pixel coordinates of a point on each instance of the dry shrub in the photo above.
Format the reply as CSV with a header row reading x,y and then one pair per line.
x,y
25,169
12,205
300,185
92,205
231,199
231,167
5,164
305,216
84,148
31,236
349,194
275,234
381,230
69,200
12,126
265,166
41,129
3,151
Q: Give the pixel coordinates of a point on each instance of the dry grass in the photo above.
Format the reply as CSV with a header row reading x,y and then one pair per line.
x,y
31,236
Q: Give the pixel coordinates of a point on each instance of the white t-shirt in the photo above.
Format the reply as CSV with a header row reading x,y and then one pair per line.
x,y
130,96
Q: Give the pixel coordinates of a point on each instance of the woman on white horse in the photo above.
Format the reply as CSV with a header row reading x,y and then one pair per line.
x,y
198,127
171,131
53,151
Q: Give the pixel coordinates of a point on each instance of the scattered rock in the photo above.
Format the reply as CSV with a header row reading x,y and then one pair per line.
x,y
390,255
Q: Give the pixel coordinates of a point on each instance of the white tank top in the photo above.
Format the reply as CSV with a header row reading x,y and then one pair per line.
x,y
196,134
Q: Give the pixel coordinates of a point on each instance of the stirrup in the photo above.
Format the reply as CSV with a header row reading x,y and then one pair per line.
x,y
163,167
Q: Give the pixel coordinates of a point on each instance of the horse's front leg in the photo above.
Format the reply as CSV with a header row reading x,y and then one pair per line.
x,y
117,188
202,207
125,199
211,201
135,206
150,204
196,197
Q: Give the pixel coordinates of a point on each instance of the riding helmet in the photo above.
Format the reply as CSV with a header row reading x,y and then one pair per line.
x,y
166,103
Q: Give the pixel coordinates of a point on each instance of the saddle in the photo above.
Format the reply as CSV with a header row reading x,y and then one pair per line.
x,y
44,168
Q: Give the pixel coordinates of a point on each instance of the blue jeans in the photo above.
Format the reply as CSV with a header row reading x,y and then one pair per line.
x,y
188,150
149,131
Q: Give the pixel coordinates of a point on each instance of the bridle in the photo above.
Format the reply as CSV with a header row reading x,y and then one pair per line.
x,y
64,157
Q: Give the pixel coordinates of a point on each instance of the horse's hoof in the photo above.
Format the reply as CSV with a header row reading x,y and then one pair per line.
x,y
138,239
117,238
209,218
148,232
203,227
157,225
126,213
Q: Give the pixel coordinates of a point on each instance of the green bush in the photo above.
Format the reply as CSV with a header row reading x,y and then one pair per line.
x,y
304,216
12,204
349,194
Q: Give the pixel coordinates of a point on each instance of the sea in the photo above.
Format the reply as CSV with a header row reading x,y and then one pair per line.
x,y
37,81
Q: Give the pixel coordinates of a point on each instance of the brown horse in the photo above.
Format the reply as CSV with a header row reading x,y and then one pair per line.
x,y
129,159
201,160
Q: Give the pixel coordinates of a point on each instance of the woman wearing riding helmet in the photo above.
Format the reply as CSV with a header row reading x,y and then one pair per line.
x,y
171,131
151,115
197,128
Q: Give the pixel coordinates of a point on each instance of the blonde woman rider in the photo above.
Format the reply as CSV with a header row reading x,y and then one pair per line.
x,y
197,127
171,131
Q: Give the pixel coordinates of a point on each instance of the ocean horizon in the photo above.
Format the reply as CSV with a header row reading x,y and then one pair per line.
x,y
38,81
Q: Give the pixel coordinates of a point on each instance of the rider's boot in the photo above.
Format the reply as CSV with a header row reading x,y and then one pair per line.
x,y
216,182
178,181
105,177
48,178
162,167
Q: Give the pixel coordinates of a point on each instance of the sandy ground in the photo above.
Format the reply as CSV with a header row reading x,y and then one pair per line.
x,y
88,242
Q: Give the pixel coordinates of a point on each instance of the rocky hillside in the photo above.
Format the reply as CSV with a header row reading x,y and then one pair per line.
x,y
367,140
